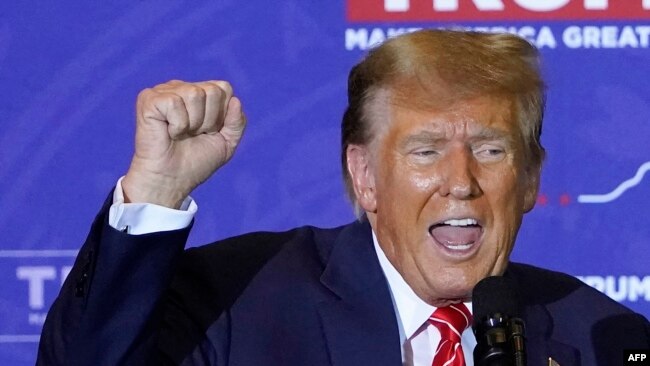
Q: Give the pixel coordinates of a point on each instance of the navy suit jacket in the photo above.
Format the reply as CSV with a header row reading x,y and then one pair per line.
x,y
308,296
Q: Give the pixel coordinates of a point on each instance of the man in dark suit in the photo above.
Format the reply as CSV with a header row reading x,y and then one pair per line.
x,y
441,156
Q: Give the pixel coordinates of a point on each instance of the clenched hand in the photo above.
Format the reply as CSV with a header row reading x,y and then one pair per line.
x,y
185,132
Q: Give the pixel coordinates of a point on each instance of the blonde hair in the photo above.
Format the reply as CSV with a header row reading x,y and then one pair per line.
x,y
435,68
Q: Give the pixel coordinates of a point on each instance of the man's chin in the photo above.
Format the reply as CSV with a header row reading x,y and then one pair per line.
x,y
440,303
449,296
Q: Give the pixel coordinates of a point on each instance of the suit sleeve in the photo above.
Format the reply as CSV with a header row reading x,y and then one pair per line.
x,y
109,309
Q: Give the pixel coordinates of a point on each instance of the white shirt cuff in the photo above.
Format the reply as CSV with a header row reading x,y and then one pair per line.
x,y
145,218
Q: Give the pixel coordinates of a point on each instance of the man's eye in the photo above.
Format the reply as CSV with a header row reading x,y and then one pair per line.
x,y
490,152
425,152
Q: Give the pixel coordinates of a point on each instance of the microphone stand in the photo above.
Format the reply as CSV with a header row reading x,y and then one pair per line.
x,y
501,341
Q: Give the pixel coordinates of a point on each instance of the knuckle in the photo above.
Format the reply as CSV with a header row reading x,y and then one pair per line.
x,y
225,86
164,86
194,92
214,91
175,101
145,94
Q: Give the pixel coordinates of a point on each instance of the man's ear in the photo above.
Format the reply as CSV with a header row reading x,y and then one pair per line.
x,y
362,176
532,187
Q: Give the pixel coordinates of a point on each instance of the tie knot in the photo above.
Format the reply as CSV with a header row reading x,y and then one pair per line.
x,y
451,321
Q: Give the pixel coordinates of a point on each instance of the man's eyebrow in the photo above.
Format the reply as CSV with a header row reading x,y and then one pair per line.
x,y
424,137
432,137
491,134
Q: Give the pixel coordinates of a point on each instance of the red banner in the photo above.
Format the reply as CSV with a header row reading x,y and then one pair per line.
x,y
488,10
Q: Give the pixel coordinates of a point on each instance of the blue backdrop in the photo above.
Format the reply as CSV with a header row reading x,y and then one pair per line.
x,y
70,72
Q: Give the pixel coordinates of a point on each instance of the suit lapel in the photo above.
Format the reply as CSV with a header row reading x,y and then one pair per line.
x,y
359,324
539,344
539,330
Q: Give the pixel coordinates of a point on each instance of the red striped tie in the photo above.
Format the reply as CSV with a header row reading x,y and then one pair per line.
x,y
451,321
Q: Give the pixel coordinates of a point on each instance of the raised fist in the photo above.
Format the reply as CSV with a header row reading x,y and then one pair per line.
x,y
185,132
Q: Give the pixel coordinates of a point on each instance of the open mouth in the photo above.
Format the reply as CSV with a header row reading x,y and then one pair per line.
x,y
457,235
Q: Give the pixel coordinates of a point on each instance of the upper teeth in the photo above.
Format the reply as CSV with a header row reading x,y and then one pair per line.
x,y
461,222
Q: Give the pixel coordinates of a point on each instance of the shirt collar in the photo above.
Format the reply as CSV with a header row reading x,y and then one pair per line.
x,y
410,308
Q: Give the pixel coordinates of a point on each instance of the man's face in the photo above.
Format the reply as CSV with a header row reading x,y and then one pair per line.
x,y
445,191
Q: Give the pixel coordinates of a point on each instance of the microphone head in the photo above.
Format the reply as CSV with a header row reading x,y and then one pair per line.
x,y
494,295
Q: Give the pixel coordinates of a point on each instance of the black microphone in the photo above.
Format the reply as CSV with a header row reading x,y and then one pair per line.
x,y
498,329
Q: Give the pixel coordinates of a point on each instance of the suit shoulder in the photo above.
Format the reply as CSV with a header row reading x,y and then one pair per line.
x,y
537,279
549,287
261,245
566,297
210,279
581,315
226,267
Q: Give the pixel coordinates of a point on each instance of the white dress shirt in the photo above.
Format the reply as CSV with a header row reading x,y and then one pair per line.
x,y
418,338
144,218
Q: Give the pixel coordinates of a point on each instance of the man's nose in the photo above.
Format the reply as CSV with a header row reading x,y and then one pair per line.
x,y
459,179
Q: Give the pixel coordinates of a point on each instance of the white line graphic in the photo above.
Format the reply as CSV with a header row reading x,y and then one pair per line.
x,y
45,253
19,338
616,193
